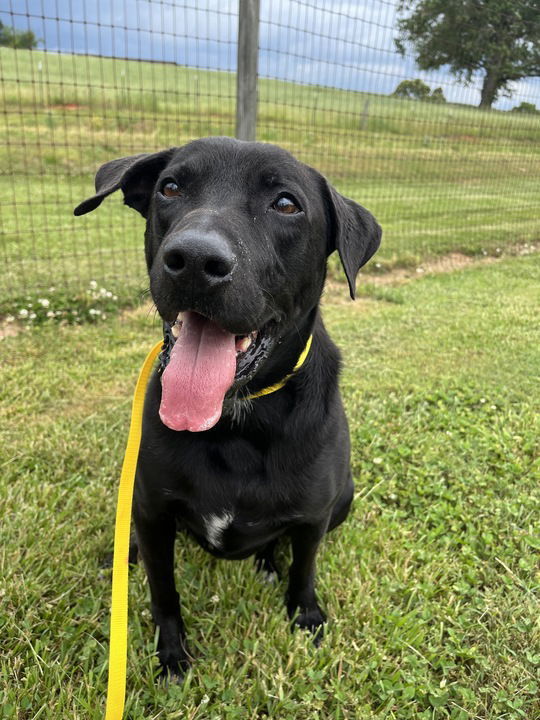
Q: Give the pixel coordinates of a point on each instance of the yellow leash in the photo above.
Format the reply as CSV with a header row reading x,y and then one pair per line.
x,y
116,686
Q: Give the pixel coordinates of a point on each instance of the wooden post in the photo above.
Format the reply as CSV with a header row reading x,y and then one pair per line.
x,y
246,75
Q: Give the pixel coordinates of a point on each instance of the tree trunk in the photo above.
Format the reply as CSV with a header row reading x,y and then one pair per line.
x,y
491,85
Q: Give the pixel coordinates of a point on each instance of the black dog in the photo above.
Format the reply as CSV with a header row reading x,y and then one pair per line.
x,y
237,237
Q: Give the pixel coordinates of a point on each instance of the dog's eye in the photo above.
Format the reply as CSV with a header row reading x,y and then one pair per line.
x,y
286,206
170,189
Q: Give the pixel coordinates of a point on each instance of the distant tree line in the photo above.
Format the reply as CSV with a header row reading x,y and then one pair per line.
x,y
418,90
19,39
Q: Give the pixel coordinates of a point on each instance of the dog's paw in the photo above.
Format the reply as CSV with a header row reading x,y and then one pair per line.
x,y
312,619
172,671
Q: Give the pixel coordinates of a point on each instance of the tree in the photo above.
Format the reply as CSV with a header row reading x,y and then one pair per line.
x,y
500,38
412,90
19,39
527,108
437,96
418,90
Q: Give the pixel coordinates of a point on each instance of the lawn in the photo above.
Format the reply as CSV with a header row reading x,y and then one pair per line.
x,y
439,178
431,586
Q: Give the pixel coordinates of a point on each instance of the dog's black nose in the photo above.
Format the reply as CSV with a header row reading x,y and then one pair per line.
x,y
203,257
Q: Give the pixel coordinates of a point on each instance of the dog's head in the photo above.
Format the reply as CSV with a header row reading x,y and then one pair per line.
x,y
237,236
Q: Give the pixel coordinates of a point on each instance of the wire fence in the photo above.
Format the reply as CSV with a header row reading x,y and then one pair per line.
x,y
112,79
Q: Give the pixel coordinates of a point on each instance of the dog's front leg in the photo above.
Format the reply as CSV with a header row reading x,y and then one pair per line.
x,y
155,540
302,605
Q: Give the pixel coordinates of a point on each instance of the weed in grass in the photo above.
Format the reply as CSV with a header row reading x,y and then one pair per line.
x,y
57,305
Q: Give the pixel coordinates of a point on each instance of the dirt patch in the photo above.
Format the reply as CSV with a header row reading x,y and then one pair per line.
x,y
444,264
338,291
10,329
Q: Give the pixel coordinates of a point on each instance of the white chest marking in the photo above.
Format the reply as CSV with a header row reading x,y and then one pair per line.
x,y
215,525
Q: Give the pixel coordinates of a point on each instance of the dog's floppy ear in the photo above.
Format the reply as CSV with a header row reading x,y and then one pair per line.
x,y
354,233
135,175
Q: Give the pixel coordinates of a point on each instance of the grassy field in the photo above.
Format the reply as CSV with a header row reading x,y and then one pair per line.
x,y
439,178
432,585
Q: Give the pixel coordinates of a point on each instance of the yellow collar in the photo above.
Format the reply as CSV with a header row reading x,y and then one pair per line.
x,y
281,383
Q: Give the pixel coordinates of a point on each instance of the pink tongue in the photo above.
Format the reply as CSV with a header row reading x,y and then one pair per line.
x,y
200,371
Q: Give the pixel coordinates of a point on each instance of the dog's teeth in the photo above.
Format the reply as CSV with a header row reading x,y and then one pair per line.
x,y
244,344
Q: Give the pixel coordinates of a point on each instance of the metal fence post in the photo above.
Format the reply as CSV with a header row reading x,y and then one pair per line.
x,y
246,75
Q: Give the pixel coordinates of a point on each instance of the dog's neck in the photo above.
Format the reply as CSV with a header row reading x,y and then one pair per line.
x,y
285,355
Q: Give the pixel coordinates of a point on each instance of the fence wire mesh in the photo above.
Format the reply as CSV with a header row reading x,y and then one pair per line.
x,y
112,79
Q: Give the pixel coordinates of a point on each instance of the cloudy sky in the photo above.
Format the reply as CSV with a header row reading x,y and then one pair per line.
x,y
326,42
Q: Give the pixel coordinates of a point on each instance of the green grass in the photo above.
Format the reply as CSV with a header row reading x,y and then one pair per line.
x,y
432,585
439,178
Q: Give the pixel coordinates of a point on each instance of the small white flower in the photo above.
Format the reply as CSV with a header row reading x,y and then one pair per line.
x,y
103,292
377,460
214,598
32,316
108,294
92,311
23,313
93,284
44,302
482,400
52,288
10,319
50,313
115,297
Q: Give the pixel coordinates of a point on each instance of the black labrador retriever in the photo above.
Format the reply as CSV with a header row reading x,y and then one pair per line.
x,y
239,446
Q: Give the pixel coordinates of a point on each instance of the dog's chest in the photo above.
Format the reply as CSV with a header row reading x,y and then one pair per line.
x,y
215,525
229,529
233,496
234,519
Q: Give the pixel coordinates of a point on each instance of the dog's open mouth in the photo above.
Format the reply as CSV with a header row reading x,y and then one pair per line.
x,y
204,364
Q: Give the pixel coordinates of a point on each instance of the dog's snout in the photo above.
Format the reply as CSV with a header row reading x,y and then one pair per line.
x,y
205,258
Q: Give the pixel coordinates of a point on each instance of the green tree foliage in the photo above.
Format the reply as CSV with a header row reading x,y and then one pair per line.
x,y
412,90
18,39
527,108
500,38
437,96
418,90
